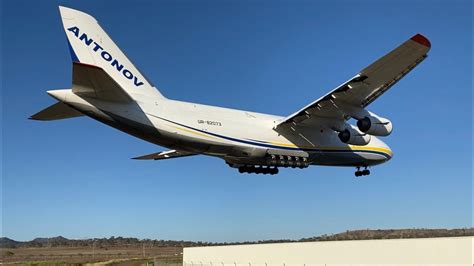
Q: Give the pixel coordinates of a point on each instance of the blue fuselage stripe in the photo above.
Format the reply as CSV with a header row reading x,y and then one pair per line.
x,y
263,144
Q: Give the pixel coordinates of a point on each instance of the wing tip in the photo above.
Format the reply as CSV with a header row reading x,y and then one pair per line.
x,y
419,38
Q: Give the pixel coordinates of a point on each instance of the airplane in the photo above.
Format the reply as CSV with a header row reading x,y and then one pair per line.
x,y
109,88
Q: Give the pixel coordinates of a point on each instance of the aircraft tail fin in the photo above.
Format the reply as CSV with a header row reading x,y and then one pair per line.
x,y
94,82
89,44
56,111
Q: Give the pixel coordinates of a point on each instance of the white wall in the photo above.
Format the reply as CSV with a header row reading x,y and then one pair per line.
x,y
425,251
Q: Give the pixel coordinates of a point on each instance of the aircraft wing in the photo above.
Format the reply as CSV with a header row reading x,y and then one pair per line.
x,y
165,155
366,86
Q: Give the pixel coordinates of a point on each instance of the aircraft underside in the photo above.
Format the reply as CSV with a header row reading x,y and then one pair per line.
x,y
109,88
267,162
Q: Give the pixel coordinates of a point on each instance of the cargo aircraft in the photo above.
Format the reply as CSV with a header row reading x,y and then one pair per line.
x,y
107,87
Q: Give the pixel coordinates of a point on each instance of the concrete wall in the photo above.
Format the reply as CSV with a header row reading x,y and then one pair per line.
x,y
425,251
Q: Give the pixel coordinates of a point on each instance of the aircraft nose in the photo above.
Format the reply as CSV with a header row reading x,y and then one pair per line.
x,y
389,153
383,148
386,150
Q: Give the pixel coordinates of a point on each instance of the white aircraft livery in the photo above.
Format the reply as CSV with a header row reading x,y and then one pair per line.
x,y
107,87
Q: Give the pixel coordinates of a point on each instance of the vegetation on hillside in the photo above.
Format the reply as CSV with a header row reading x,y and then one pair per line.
x,y
135,242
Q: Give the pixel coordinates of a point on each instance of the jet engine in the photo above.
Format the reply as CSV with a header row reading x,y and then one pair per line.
x,y
353,136
375,125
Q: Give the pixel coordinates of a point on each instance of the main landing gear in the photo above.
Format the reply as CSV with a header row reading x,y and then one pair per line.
x,y
363,172
258,170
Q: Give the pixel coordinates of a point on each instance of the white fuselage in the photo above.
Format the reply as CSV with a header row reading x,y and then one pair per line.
x,y
108,87
239,137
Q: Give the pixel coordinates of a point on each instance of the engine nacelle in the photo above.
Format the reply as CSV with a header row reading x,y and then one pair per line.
x,y
374,125
354,137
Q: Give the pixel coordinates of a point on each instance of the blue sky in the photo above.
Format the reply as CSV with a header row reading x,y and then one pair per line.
x,y
75,178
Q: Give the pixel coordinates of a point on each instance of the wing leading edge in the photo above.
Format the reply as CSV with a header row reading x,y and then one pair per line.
x,y
365,87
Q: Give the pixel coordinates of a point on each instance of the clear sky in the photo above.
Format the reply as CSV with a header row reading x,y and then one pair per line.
x,y
75,178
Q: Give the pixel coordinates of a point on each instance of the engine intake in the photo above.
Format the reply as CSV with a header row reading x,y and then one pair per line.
x,y
354,137
374,125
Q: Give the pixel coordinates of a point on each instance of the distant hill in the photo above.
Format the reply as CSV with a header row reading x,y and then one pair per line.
x,y
393,234
8,243
60,241
367,234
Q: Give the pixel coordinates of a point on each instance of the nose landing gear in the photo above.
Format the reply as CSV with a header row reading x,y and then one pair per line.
x,y
363,172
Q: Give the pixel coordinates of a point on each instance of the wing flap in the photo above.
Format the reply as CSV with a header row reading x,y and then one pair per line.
x,y
389,69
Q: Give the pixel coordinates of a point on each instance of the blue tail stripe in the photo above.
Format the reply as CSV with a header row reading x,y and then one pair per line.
x,y
73,54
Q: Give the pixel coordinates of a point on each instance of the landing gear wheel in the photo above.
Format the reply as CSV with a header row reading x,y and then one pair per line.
x,y
252,169
358,172
274,171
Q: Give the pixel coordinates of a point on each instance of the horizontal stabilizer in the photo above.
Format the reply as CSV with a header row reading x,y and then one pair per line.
x,y
165,155
55,112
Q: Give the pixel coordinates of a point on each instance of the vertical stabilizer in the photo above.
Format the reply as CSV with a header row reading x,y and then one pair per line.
x,y
90,45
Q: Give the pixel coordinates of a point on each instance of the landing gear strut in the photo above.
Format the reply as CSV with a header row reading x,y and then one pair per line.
x,y
363,172
258,170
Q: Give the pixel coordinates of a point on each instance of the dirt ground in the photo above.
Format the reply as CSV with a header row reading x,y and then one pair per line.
x,y
171,256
